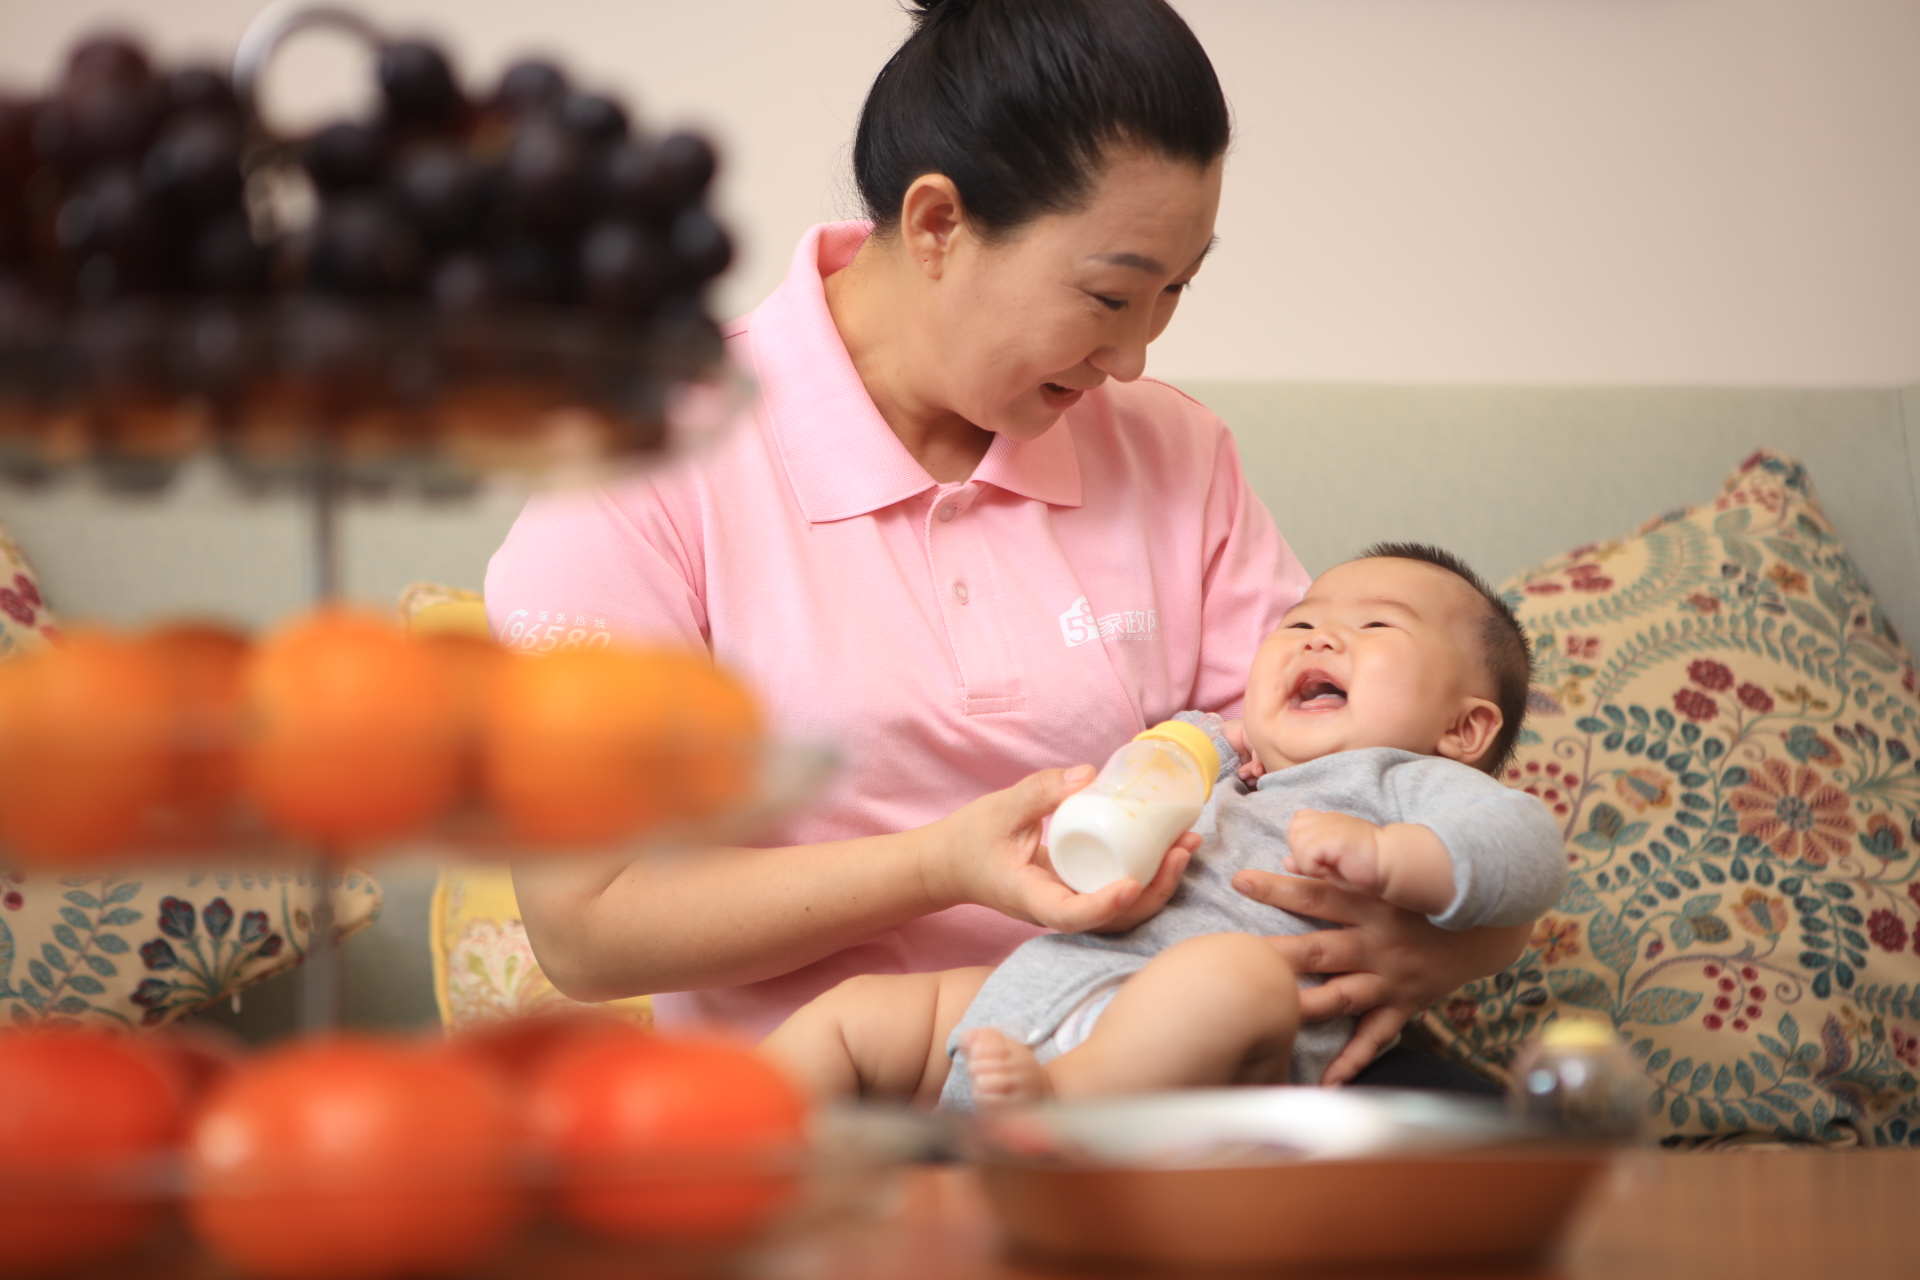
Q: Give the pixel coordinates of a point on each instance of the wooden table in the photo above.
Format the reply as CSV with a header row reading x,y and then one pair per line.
x,y
1852,1215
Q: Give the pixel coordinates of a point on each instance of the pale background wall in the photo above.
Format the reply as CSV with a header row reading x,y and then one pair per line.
x,y
1476,191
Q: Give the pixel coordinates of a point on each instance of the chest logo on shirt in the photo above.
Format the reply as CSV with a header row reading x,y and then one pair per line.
x,y
1078,624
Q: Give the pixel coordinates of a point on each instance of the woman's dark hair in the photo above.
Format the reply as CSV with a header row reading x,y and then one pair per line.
x,y
1018,102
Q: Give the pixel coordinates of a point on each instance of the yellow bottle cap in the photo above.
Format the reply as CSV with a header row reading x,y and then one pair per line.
x,y
1577,1033
1195,741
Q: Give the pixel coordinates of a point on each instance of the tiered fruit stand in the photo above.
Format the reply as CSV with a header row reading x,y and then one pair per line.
x,y
451,290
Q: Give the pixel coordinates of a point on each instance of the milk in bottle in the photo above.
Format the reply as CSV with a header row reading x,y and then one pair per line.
x,y
1146,795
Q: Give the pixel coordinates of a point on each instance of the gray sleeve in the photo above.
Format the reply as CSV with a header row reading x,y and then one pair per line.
x,y
1509,861
1215,728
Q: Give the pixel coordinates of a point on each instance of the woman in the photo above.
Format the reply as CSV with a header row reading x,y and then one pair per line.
x,y
961,538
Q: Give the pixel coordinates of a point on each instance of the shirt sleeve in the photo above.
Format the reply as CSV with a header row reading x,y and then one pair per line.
x,y
1509,862
1250,580
607,559
1216,730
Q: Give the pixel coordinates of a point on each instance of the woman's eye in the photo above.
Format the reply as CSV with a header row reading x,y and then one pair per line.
x,y
1179,288
1111,304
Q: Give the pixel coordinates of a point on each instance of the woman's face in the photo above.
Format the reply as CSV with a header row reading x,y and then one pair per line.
x,y
1028,324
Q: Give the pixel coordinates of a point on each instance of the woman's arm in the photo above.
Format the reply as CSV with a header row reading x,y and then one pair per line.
x,y
1384,968
722,917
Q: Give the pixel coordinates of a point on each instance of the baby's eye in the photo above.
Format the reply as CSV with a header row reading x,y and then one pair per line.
x,y
1299,626
1366,625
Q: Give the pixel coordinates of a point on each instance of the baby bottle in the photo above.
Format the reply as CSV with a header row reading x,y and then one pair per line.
x,y
1148,793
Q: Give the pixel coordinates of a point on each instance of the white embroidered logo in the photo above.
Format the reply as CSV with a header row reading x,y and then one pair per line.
x,y
524,633
1079,625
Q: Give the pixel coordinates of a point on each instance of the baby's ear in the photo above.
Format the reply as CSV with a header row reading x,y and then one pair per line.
x,y
1470,737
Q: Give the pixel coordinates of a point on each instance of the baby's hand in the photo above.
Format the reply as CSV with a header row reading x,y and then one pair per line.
x,y
1336,847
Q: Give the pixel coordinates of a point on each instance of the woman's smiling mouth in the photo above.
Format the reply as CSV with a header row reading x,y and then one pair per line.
x,y
1060,398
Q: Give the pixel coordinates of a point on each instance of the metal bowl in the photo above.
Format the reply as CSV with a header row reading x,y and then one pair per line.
x,y
1278,1177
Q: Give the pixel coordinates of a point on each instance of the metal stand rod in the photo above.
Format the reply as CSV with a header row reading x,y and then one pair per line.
x,y
322,977
323,972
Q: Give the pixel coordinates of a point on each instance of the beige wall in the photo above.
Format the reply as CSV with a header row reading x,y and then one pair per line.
x,y
1544,191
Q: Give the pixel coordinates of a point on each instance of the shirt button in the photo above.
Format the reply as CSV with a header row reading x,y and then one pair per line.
x,y
946,512
960,592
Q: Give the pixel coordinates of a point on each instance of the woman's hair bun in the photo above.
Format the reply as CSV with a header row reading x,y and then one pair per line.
x,y
1018,102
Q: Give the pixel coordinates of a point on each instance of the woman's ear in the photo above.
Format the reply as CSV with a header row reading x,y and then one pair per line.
x,y
1471,735
930,216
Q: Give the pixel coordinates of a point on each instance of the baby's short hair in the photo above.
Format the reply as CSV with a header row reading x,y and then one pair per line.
x,y
1503,643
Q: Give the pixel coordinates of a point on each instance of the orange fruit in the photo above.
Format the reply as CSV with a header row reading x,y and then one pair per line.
x,y
515,1048
202,665
469,665
355,1159
353,730
591,746
80,1115
667,1137
83,758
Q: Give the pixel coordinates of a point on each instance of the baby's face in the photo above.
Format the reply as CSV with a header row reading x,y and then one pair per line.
x,y
1380,653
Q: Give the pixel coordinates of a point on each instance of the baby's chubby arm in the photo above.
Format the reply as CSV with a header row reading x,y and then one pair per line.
x,y
1403,863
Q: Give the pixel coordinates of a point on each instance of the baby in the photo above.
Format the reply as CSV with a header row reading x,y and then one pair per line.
x,y
1380,709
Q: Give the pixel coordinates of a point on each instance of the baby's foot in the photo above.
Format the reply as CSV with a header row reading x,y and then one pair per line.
x,y
1004,1072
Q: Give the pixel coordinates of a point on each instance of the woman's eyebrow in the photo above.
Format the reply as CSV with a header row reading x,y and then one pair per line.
x,y
1141,262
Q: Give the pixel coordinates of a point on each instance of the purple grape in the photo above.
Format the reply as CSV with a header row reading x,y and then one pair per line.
x,y
109,212
700,244
193,169
95,121
199,89
108,58
419,85
461,283
684,164
544,179
342,157
16,143
225,259
528,270
624,267
360,247
593,118
529,85
441,191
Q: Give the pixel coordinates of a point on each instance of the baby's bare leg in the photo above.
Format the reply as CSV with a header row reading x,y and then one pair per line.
x,y
1219,1009
877,1035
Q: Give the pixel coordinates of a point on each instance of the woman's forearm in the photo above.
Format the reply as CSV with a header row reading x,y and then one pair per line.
x,y
719,917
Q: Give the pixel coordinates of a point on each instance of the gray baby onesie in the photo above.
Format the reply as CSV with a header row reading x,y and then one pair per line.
x,y
1509,866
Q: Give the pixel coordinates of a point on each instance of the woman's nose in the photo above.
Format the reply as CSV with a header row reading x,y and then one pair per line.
x,y
1125,360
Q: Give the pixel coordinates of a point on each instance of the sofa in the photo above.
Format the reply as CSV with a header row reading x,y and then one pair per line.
x,y
1507,477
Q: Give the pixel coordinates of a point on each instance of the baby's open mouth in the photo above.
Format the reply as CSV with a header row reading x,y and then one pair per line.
x,y
1316,691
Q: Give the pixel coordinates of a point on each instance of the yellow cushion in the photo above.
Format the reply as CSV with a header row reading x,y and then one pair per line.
x,y
483,968
1728,727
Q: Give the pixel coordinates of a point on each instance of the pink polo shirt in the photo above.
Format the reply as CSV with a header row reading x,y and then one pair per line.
x,y
948,639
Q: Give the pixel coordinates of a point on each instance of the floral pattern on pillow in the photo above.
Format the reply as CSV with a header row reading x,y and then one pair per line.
x,y
26,623
1727,725
138,950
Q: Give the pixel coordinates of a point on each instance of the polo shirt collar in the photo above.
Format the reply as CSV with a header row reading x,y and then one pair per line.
x,y
841,457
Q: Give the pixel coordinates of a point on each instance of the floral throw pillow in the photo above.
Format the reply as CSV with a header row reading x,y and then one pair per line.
x,y
1727,725
141,950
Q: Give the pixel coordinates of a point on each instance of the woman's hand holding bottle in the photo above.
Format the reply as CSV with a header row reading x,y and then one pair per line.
x,y
989,852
